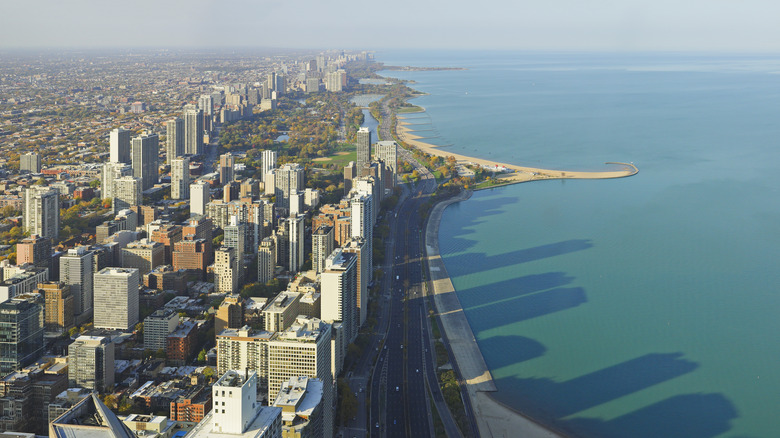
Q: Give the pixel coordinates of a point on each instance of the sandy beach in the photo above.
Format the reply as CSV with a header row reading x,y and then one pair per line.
x,y
519,173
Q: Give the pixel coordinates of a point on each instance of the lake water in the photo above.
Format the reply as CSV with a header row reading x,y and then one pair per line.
x,y
637,307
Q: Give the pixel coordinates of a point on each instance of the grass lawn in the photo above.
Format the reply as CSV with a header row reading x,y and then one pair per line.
x,y
343,155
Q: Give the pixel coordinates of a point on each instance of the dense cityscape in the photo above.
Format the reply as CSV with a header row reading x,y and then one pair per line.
x,y
175,226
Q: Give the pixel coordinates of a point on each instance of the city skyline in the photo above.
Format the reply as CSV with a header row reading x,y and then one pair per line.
x,y
599,25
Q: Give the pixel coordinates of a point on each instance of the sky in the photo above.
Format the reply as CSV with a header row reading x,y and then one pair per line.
x,y
586,25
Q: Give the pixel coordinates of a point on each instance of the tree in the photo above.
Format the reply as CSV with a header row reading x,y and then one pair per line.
x,y
110,401
202,356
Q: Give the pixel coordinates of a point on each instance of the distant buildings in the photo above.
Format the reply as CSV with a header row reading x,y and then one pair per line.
x,y
174,139
127,192
193,131
180,178
110,172
269,162
289,178
226,164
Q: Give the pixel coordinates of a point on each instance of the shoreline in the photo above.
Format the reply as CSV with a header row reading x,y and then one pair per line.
x,y
492,418
519,173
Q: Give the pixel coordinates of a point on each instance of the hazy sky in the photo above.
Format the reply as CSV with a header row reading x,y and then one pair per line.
x,y
712,25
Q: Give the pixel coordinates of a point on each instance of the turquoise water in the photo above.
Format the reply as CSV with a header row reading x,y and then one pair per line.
x,y
638,307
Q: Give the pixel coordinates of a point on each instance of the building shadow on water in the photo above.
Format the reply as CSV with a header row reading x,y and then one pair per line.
x,y
470,263
513,288
682,416
501,351
486,207
496,314
572,396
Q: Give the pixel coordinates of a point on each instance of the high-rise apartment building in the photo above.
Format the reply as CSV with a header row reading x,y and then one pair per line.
x,y
158,326
180,178
266,261
127,192
174,139
244,349
35,250
58,299
387,152
338,286
301,400
361,249
199,197
119,146
110,172
144,255
269,162
193,131
145,149
91,363
225,270
206,104
289,178
116,298
30,163
304,349
323,244
363,147
230,313
21,334
226,163
41,208
76,268
297,254
192,254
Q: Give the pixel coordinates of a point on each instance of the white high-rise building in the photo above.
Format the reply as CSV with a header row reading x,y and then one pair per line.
x,y
266,261
91,363
180,178
361,215
289,178
338,289
363,147
41,207
364,270
116,298
296,235
127,192
304,349
30,163
174,138
193,131
199,197
225,270
119,146
242,349
145,149
235,237
76,271
236,411
387,152
269,162
111,172
206,104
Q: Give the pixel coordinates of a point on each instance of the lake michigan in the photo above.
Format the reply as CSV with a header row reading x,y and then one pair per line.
x,y
636,307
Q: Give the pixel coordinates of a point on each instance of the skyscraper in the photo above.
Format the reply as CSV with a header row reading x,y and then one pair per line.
x,y
193,131
363,147
297,254
304,349
180,178
206,104
269,162
289,178
144,150
226,163
41,207
225,270
266,261
338,286
110,173
30,163
21,334
127,192
361,249
199,197
58,315
91,363
76,272
119,146
387,152
174,138
322,244
235,237
116,298
34,249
